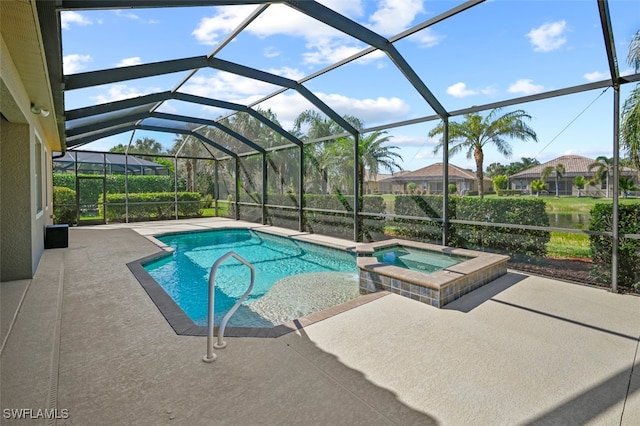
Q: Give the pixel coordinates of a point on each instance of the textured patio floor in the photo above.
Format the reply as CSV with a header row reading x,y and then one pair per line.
x,y
520,350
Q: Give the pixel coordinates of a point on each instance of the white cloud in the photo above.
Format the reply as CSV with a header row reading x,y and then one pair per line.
x,y
370,110
459,90
427,153
127,62
548,37
595,76
345,7
327,51
405,141
67,18
133,16
489,90
525,86
428,38
325,44
227,86
211,28
271,52
118,92
394,16
288,106
291,73
74,63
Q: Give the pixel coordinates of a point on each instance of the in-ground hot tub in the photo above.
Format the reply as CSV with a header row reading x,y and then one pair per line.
x,y
432,274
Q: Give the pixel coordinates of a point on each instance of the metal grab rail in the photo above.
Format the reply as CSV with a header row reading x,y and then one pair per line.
x,y
210,356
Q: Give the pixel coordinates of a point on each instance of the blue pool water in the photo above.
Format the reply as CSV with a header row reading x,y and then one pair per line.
x,y
185,274
416,259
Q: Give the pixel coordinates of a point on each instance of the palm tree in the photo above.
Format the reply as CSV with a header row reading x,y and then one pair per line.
x,y
537,186
579,182
558,171
312,125
626,185
475,132
373,155
603,168
630,126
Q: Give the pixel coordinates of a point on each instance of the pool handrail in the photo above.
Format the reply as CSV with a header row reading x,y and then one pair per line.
x,y
210,356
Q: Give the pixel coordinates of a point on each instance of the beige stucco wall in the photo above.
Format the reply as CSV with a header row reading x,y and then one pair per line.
x,y
21,226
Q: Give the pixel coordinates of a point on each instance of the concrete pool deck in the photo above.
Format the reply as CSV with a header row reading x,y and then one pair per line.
x,y
520,350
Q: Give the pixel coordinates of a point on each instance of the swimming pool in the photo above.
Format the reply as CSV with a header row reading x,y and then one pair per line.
x,y
416,259
293,278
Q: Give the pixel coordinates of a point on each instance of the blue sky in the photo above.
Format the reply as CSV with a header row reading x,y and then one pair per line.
x,y
492,52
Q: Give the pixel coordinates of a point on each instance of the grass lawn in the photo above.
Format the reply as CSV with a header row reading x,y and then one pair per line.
x,y
223,210
581,205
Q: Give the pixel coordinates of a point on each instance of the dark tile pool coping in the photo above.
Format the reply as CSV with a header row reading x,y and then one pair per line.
x,y
183,325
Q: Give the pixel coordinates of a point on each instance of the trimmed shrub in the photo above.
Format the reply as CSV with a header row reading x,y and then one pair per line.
x,y
151,206
423,206
508,211
92,189
628,249
64,205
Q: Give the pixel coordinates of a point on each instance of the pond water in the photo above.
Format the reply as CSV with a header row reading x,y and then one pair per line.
x,y
569,220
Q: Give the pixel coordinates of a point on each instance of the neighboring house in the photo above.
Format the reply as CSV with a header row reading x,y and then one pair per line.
x,y
574,165
372,182
380,183
111,163
429,180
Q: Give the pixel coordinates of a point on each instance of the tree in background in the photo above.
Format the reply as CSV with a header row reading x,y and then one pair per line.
x,y
558,171
580,182
374,154
496,169
333,160
319,157
626,184
630,125
523,164
500,182
475,132
537,186
603,167
140,146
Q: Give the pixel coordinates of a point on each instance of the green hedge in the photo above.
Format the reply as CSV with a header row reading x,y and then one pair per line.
x,y
509,211
327,223
92,189
64,205
629,249
154,206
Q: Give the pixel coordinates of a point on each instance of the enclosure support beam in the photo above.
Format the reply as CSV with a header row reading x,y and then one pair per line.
x,y
356,188
264,188
301,191
615,243
445,183
216,187
175,183
237,195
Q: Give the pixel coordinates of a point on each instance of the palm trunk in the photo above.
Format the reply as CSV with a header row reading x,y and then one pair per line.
x,y
479,157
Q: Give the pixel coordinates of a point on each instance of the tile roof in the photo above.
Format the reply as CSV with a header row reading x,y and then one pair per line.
x,y
574,165
434,171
